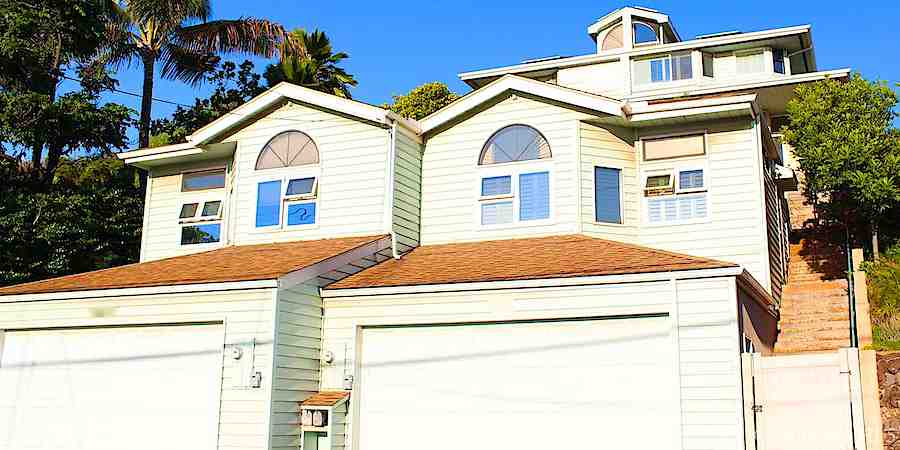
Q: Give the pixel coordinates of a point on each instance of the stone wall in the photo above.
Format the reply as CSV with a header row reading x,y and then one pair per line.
x,y
889,388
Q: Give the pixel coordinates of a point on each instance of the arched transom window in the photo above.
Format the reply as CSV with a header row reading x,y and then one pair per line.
x,y
644,33
514,143
613,38
288,149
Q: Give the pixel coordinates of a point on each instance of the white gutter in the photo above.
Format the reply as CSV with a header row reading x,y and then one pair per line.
x,y
124,292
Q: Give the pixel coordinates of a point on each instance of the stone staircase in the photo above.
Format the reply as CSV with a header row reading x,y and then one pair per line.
x,y
814,308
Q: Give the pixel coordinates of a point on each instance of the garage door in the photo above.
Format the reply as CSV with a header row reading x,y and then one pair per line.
x,y
569,384
111,388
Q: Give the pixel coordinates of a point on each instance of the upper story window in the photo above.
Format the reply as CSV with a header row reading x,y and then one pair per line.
x,y
778,60
676,192
644,33
200,216
607,195
613,38
514,182
286,193
663,69
748,63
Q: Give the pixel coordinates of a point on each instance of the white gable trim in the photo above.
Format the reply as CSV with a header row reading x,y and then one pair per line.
x,y
514,83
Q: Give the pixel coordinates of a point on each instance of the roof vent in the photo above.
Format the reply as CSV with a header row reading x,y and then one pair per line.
x,y
715,35
546,58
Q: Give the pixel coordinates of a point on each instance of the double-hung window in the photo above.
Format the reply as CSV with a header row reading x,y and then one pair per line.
x,y
514,184
200,216
663,69
287,187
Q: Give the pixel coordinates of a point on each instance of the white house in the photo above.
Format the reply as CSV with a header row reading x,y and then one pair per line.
x,y
576,252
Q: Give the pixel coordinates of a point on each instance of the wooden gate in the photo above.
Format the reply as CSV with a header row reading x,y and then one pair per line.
x,y
803,402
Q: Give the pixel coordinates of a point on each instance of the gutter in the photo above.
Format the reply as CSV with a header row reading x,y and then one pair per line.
x,y
389,191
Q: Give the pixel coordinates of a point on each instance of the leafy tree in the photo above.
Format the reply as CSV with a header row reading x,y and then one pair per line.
x,y
422,100
317,68
234,85
178,35
843,137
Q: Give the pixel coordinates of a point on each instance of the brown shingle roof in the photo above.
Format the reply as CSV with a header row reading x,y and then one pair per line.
x,y
522,259
325,398
235,263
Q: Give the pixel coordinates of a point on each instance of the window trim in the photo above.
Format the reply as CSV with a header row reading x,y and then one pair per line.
x,y
513,170
677,165
480,154
654,27
622,221
220,242
276,136
284,175
201,197
695,132
223,169
753,51
665,83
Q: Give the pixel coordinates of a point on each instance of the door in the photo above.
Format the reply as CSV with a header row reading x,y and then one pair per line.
x,y
564,384
154,387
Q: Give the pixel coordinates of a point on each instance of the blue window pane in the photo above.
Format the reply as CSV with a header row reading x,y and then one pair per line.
x,y
643,33
690,179
660,70
300,186
268,203
778,60
496,186
200,234
608,201
682,67
534,196
301,213
198,181
496,213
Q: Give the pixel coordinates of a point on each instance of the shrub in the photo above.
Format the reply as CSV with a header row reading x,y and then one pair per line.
x,y
883,279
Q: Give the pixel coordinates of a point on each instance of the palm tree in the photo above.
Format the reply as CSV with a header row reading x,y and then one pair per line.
x,y
178,36
315,68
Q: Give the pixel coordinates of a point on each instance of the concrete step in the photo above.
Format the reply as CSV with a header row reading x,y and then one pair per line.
x,y
813,308
815,286
818,317
811,346
826,330
810,276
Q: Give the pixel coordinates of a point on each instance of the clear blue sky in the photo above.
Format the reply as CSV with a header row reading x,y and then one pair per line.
x,y
397,45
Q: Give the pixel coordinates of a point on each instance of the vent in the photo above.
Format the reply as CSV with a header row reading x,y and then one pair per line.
x,y
715,35
546,58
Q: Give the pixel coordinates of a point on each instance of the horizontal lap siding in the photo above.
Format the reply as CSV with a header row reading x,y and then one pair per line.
x,y
247,314
600,147
297,351
607,79
776,233
353,162
407,191
707,346
450,172
734,230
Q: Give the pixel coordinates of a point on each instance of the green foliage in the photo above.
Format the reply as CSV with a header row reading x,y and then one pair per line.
x,y
422,100
88,218
316,68
843,137
234,85
883,281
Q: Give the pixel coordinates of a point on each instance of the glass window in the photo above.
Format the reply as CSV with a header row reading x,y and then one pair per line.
x,y
301,213
514,143
673,146
211,209
268,203
200,234
613,38
301,186
663,69
708,65
659,181
607,195
674,209
288,149
496,213
534,196
496,186
188,210
690,180
644,33
198,181
778,60
750,63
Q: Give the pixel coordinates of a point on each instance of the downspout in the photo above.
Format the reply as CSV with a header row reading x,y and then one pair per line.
x,y
392,167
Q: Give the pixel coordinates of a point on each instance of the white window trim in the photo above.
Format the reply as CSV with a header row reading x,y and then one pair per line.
x,y
284,175
513,170
622,194
657,29
698,163
663,84
200,197
191,172
650,137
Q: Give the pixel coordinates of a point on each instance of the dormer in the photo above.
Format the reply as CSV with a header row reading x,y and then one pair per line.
x,y
632,27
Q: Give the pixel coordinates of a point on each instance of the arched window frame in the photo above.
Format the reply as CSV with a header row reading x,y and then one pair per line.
x,y
608,34
280,135
304,201
652,27
494,135
534,175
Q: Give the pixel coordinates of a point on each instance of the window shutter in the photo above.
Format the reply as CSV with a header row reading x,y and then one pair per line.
x,y
496,213
654,210
268,203
534,196
690,179
607,195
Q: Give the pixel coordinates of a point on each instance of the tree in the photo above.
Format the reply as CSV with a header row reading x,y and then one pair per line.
x,y
178,35
843,136
234,85
422,100
317,68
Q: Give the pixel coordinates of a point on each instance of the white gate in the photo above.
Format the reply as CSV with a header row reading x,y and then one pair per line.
x,y
803,402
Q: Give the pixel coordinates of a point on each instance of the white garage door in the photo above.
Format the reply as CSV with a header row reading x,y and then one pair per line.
x,y
111,388
570,384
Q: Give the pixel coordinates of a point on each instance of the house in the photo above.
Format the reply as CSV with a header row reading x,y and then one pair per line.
x,y
579,250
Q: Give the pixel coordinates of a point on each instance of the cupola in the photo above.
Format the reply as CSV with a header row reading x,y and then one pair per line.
x,y
632,27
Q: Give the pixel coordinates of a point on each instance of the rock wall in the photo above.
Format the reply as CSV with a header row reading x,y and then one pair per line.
x,y
889,388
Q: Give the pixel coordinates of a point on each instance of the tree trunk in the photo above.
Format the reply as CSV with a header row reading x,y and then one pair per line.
x,y
875,252
146,102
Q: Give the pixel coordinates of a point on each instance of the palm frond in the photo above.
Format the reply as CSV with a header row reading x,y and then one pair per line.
x,y
179,63
245,35
118,49
170,14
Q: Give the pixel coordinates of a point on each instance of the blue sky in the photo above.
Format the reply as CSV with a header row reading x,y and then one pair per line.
x,y
397,45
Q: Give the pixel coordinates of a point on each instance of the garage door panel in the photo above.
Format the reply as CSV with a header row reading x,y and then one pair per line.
x,y
108,388
498,384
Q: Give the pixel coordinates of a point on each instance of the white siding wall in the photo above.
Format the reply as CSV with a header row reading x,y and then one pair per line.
x,y
353,163
407,191
247,314
707,346
297,354
607,78
609,147
735,228
450,172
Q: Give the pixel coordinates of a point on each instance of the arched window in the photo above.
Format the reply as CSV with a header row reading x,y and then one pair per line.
x,y
613,38
288,149
644,33
514,143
